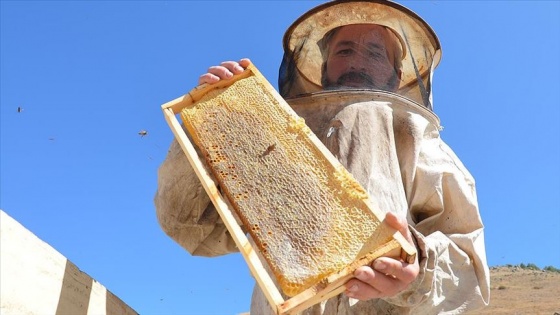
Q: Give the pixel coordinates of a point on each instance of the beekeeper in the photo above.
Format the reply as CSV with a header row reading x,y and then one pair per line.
x,y
359,73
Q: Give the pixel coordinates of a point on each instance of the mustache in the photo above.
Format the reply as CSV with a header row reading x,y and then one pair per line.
x,y
354,76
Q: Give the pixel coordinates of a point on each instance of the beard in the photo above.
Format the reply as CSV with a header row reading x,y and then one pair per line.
x,y
357,79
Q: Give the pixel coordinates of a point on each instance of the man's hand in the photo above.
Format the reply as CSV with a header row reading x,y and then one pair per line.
x,y
224,71
386,276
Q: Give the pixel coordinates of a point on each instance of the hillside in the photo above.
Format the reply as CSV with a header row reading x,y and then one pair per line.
x,y
516,290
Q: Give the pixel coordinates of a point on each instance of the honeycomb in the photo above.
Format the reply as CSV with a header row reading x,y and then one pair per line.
x,y
307,215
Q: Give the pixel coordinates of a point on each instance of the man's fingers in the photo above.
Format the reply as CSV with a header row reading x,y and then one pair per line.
x,y
363,285
360,290
395,222
236,67
231,67
208,78
215,74
386,276
369,284
399,224
224,71
245,62
221,72
396,269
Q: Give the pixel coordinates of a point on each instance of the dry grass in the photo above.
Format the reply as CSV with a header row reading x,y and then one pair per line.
x,y
515,290
519,291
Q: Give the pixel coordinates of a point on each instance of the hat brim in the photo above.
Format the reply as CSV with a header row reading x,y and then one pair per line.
x,y
421,47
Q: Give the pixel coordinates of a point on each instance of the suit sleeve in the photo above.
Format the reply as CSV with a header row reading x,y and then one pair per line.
x,y
454,275
184,210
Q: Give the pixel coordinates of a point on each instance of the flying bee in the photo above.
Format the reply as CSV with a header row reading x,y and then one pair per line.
x,y
143,133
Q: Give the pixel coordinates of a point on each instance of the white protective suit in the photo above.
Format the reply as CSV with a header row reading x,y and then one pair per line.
x,y
366,129
390,142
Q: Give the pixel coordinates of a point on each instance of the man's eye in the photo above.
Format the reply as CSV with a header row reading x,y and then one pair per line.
x,y
344,52
376,55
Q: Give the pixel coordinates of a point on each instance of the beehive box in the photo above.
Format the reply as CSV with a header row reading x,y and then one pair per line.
x,y
307,215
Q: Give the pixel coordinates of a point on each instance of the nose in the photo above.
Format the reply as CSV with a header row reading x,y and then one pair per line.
x,y
359,61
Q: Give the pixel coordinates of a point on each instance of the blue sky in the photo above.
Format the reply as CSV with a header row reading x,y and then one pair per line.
x,y
89,75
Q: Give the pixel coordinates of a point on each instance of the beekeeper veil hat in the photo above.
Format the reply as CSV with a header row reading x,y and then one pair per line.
x,y
419,52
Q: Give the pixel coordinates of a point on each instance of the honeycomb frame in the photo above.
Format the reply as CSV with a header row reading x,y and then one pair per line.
x,y
220,118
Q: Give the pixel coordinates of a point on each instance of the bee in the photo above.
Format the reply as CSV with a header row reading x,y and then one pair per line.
x,y
19,109
143,133
268,150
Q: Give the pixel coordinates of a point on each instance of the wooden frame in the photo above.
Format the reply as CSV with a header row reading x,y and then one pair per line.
x,y
329,287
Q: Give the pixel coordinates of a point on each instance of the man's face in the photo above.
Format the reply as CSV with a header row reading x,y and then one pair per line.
x,y
361,56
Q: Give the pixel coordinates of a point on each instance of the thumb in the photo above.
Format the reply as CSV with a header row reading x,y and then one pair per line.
x,y
400,224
